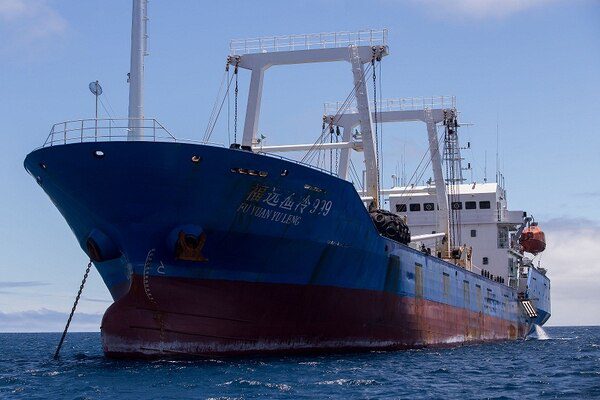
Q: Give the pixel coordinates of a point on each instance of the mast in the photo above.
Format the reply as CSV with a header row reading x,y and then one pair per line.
x,y
136,72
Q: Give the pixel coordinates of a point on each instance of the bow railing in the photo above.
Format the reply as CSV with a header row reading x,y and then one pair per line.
x,y
107,130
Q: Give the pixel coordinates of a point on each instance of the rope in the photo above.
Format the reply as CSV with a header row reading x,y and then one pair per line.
x,y
62,339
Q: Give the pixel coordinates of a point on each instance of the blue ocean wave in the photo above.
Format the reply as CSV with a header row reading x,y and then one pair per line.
x,y
567,365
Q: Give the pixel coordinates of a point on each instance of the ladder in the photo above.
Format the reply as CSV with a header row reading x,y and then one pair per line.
x,y
529,308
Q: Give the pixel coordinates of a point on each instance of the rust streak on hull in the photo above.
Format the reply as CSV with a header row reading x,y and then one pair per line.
x,y
216,317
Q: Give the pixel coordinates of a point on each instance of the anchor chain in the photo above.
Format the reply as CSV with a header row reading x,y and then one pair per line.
x,y
376,124
62,338
235,104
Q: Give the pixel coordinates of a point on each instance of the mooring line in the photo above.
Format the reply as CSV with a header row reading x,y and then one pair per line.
x,y
62,339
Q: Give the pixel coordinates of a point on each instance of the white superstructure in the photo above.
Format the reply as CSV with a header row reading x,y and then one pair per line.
x,y
485,222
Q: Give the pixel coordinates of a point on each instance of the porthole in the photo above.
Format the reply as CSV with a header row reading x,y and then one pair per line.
x,y
98,154
284,172
196,159
38,180
42,165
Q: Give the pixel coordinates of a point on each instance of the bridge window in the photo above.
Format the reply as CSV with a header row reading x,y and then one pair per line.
x,y
484,205
415,207
428,206
457,205
473,232
486,261
470,205
400,207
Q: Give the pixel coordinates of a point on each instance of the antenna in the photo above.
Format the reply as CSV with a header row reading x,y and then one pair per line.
x,y
485,167
497,148
96,90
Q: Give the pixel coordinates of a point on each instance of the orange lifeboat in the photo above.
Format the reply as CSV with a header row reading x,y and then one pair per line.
x,y
533,239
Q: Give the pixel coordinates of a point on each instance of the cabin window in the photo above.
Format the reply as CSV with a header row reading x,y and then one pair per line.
x,y
428,206
470,205
400,207
415,207
485,205
486,261
473,232
457,205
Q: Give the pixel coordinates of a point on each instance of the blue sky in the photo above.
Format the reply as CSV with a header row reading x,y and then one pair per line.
x,y
529,67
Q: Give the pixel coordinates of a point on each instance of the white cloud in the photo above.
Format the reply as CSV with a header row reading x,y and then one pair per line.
x,y
45,320
573,264
479,9
24,22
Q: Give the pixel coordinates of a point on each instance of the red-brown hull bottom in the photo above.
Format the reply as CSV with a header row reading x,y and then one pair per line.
x,y
183,317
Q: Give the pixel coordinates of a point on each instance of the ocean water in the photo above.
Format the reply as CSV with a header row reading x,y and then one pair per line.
x,y
566,365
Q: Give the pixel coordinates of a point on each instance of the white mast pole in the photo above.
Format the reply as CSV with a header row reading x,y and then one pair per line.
x,y
136,72
440,184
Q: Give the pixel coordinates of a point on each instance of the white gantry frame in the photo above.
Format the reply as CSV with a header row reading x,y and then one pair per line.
x,y
431,111
358,48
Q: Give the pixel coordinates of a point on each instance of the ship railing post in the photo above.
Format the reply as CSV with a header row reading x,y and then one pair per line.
x,y
154,129
50,137
64,133
81,131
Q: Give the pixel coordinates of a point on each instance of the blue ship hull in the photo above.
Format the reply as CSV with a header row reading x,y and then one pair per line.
x,y
212,250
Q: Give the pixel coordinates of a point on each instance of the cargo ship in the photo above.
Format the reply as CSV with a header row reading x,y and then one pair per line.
x,y
228,250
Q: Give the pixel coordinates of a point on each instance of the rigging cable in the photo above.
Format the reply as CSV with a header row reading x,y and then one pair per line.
x,y
310,154
214,121
420,174
356,176
341,110
216,103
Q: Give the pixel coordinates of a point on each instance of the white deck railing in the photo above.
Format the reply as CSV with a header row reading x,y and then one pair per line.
x,y
326,40
106,130
117,130
401,104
